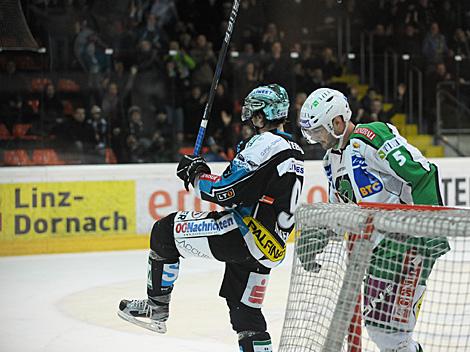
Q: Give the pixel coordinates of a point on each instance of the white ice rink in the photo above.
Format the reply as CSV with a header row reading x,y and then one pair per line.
x,y
68,303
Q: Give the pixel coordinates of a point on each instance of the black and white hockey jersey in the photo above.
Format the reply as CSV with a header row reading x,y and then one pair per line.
x,y
262,187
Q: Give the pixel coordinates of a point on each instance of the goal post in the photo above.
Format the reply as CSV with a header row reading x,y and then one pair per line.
x,y
364,272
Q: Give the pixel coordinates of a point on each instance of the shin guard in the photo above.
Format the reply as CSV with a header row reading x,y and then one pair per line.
x,y
162,274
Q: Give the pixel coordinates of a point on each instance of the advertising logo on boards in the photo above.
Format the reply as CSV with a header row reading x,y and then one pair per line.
x,y
41,210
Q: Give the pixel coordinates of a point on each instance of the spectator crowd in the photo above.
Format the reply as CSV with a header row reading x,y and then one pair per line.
x,y
133,76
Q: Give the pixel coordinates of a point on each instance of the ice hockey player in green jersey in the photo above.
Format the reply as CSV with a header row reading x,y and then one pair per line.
x,y
373,163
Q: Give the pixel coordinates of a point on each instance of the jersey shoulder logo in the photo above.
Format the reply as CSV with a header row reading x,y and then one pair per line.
x,y
366,132
388,146
225,195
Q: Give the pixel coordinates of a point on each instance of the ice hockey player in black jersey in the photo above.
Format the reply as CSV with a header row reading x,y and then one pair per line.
x,y
259,191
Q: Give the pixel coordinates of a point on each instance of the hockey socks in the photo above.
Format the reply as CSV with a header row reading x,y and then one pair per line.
x,y
254,341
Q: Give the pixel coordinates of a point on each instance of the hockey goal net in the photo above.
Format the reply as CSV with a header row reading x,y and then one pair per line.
x,y
360,269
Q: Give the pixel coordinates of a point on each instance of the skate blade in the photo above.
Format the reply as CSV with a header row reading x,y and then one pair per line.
x,y
159,327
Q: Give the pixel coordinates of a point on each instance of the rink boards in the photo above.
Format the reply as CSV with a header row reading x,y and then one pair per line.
x,y
60,209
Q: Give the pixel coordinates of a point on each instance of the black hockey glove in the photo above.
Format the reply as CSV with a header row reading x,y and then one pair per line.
x,y
310,243
189,167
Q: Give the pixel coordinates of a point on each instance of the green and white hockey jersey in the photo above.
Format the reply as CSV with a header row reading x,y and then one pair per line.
x,y
378,165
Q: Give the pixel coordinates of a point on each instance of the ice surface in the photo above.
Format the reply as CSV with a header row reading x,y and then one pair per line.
x,y
68,303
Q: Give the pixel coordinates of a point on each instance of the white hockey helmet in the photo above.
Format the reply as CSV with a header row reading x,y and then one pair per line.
x,y
320,109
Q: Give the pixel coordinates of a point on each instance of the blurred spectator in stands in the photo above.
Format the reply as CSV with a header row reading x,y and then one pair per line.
x,y
249,80
328,65
448,16
222,106
77,134
147,57
149,85
14,110
247,23
136,152
277,67
119,144
204,57
160,151
185,41
366,101
314,80
84,31
182,63
376,111
137,128
306,56
227,139
99,126
181,28
381,42
270,36
408,42
163,147
137,11
177,82
435,47
440,74
51,108
433,81
95,61
112,106
165,11
355,104
122,40
222,127
193,111
13,82
215,152
154,33
246,56
461,43
419,13
425,13
124,80
300,77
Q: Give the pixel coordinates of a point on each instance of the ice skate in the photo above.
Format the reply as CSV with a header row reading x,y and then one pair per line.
x,y
145,313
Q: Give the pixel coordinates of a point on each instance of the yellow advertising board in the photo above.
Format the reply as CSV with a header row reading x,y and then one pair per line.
x,y
66,216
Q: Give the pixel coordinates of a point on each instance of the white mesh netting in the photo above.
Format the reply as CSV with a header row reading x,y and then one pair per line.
x,y
358,266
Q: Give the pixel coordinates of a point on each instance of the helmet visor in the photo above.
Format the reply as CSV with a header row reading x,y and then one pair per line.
x,y
247,113
250,107
315,135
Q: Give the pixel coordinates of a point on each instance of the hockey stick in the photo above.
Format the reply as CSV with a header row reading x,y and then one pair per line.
x,y
215,80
